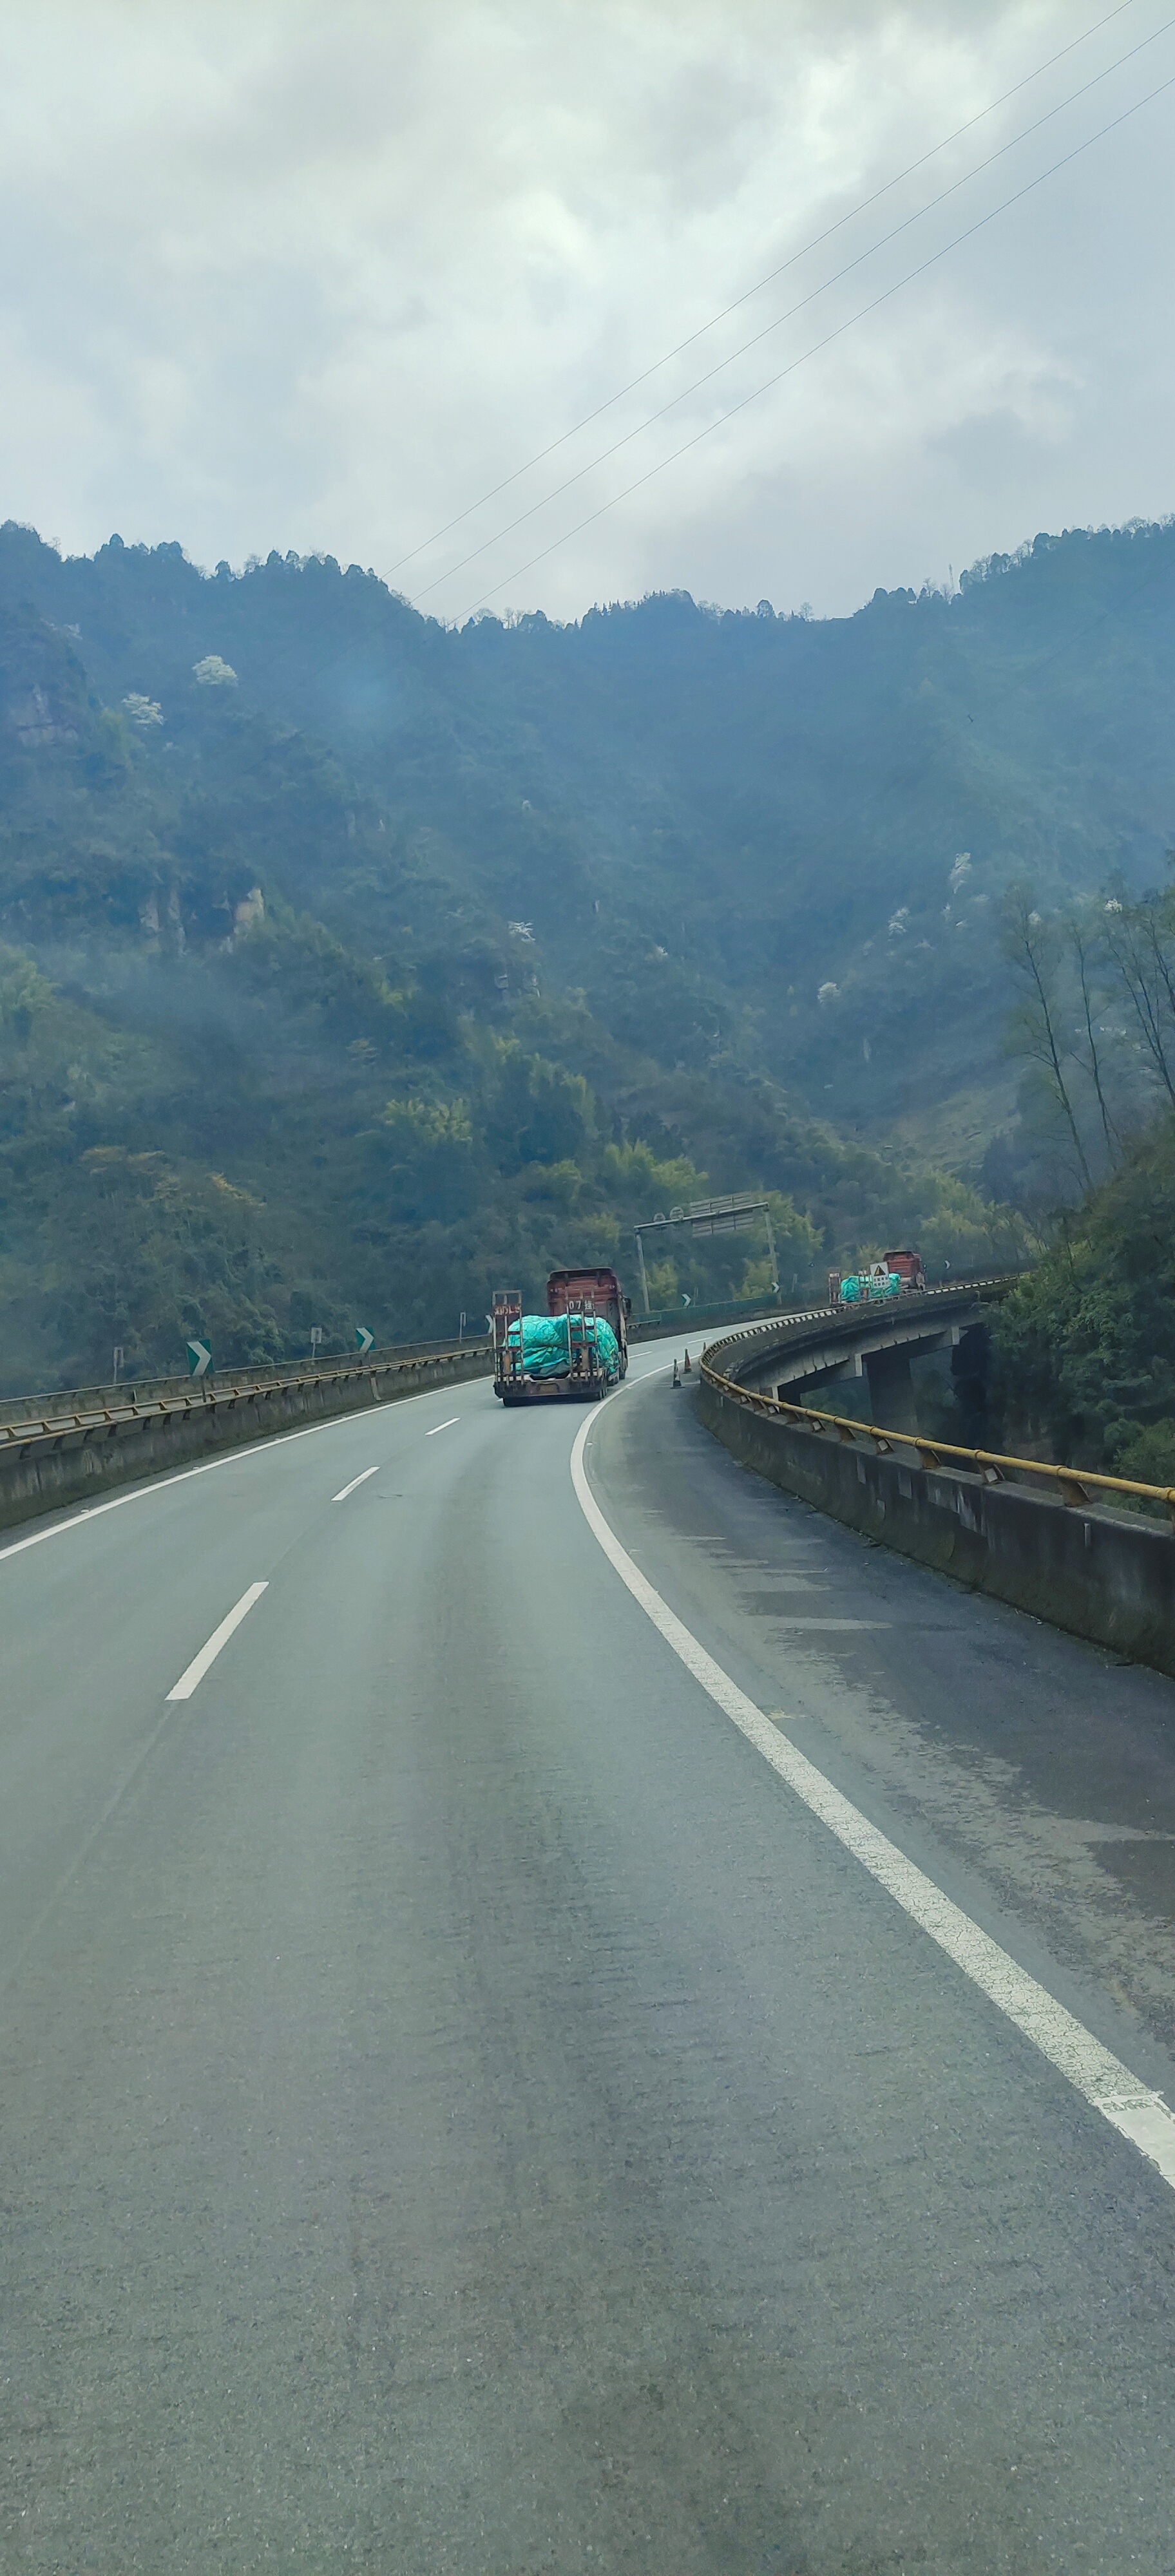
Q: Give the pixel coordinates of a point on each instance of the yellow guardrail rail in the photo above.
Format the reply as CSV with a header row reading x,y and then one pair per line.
x,y
1074,1485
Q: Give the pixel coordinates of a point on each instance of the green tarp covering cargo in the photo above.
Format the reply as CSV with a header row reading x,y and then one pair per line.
x,y
549,1344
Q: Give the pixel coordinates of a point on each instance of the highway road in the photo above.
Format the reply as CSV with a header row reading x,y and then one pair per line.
x,y
475,2098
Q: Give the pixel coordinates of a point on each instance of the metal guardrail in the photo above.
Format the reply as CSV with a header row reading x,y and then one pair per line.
x,y
1075,1486
203,1398
49,1402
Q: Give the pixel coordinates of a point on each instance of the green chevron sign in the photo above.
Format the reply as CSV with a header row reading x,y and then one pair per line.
x,y
199,1359
364,1341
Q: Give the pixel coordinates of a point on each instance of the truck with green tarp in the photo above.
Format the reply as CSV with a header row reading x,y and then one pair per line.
x,y
574,1353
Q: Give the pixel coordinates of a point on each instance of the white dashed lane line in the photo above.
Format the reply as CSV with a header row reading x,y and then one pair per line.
x,y
355,1480
194,1672
235,1457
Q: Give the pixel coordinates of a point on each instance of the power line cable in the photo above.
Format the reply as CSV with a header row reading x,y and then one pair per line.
x,y
757,337
861,315
769,280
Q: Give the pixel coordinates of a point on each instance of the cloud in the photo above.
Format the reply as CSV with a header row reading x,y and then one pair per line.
x,y
319,278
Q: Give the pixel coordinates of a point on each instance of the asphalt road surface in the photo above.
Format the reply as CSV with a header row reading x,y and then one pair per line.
x,y
460,2110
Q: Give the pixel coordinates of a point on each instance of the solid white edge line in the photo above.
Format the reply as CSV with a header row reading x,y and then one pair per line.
x,y
1132,2108
194,1672
233,1458
442,1426
355,1480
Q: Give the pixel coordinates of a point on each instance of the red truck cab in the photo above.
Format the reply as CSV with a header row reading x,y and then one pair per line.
x,y
591,1292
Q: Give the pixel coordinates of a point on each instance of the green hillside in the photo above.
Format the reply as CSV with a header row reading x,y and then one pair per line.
x,y
354,964
271,1053
708,819
1085,1348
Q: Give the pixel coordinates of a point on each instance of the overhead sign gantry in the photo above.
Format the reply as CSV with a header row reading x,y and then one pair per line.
x,y
730,1215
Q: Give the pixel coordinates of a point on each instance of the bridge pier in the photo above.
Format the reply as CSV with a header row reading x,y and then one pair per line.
x,y
892,1401
969,1370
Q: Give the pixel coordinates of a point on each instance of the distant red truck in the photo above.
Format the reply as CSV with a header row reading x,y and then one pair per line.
x,y
905,1267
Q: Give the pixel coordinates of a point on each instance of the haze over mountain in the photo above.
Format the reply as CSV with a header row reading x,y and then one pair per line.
x,y
414,956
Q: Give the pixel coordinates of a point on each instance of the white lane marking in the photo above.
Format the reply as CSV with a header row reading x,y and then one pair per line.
x,y
1140,2114
194,1672
233,1458
442,1426
355,1480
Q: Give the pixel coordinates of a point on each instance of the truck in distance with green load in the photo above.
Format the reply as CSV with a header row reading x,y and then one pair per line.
x,y
573,1353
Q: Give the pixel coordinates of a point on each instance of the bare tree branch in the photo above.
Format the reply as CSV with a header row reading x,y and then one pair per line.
x,y
1085,953
1133,944
1031,949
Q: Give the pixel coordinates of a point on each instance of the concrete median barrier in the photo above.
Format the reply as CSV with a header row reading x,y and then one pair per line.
x,y
55,1451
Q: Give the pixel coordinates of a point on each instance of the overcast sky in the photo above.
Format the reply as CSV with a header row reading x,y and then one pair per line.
x,y
319,273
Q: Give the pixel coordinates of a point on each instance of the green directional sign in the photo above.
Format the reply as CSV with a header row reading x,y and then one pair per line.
x,y
199,1359
364,1340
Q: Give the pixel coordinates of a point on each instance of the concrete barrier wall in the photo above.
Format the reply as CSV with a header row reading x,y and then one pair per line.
x,y
60,1466
1108,1578
148,1390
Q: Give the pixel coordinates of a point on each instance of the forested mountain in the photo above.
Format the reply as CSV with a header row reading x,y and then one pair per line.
x,y
354,963
776,803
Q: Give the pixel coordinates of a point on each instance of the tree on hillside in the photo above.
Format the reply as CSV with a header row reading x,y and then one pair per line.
x,y
1140,938
1034,950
